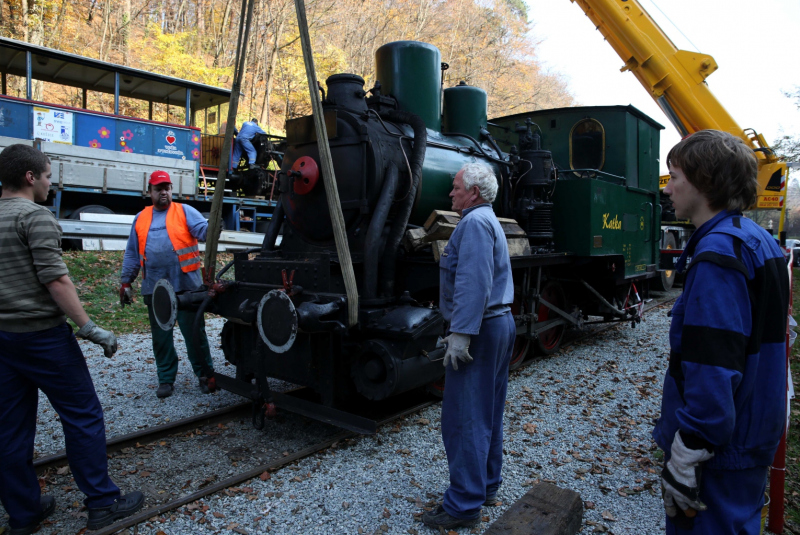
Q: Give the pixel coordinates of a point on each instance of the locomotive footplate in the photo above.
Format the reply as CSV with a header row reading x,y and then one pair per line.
x,y
541,260
359,418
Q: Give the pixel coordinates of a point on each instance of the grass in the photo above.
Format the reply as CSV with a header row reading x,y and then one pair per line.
x,y
96,277
792,487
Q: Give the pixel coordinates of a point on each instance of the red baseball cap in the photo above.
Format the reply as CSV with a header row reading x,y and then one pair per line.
x,y
159,177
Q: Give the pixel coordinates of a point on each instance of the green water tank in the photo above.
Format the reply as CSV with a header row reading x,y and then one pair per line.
x,y
464,110
411,72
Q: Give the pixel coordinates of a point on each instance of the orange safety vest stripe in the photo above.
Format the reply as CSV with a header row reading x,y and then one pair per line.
x,y
184,244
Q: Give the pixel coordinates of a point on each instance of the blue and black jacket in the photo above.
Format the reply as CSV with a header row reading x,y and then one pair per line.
x,y
726,385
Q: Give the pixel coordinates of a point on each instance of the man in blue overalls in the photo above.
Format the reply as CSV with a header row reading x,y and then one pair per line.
x,y
724,404
244,142
476,291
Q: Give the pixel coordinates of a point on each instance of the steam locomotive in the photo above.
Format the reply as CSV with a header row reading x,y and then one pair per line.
x,y
581,182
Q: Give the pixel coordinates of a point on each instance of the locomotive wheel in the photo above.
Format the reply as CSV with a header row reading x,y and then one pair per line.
x,y
549,341
666,279
522,345
436,388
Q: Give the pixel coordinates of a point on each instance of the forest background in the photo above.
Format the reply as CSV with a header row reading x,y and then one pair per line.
x,y
487,43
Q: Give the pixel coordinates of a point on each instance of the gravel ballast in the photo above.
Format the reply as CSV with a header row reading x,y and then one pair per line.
x,y
580,419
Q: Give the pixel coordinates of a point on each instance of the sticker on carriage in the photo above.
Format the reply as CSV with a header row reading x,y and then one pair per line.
x,y
52,125
170,142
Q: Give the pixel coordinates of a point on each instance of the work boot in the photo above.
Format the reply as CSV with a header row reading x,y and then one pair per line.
x,y
47,505
439,518
203,385
492,500
164,390
123,506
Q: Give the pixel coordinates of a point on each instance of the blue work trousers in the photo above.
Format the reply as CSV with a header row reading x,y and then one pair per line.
x,y
247,146
734,499
51,361
472,418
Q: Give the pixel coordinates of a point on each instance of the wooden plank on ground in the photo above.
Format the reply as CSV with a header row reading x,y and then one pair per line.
x,y
544,510
443,216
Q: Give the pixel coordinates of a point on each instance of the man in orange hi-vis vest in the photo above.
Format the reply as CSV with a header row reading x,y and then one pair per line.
x,y
163,245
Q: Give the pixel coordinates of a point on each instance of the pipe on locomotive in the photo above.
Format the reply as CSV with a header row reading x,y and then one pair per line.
x,y
274,227
401,220
373,239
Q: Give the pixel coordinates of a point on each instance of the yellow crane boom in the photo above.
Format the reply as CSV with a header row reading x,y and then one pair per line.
x,y
676,81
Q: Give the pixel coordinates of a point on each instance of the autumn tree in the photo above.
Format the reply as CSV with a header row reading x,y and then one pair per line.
x,y
486,43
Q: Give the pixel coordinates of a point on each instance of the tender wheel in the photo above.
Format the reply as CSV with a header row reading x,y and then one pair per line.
x,y
666,278
549,341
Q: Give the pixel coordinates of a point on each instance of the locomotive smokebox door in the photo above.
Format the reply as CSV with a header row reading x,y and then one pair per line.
x,y
165,304
277,321
305,173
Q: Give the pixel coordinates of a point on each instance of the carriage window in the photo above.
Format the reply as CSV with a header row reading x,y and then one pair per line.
x,y
587,145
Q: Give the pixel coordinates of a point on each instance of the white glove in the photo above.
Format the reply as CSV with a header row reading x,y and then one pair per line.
x,y
680,478
101,337
457,349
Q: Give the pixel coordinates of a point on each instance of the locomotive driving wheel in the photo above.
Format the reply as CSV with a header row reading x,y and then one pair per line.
x,y
522,344
549,340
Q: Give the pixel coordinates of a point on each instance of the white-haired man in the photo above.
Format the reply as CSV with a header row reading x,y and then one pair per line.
x,y
476,291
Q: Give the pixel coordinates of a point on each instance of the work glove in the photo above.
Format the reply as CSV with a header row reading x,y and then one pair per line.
x,y
105,339
680,479
125,295
457,349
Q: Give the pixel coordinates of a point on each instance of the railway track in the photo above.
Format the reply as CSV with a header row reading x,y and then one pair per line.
x,y
280,460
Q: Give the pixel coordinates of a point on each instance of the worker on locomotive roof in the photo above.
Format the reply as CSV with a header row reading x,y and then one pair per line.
x,y
39,352
163,244
244,142
723,409
476,291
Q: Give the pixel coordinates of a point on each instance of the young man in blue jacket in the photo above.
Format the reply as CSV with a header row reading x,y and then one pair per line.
x,y
724,403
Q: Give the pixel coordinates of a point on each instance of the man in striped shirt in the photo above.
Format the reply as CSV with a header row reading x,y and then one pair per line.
x,y
39,352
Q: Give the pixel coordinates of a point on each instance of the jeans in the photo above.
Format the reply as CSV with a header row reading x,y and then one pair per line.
x,y
51,361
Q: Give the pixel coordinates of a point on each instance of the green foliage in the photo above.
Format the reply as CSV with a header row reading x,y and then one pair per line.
x,y
96,278
519,8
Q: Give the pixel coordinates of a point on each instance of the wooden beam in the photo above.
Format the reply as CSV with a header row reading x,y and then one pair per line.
x,y
215,218
328,177
543,510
